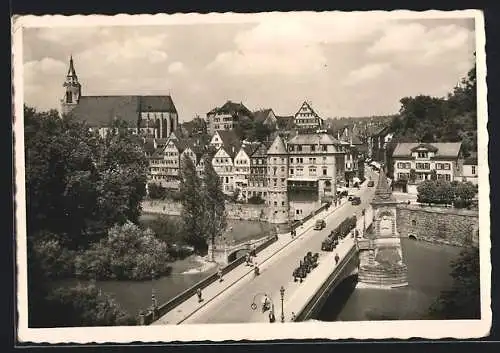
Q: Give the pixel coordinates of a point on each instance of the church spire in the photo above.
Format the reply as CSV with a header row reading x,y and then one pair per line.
x,y
71,70
383,192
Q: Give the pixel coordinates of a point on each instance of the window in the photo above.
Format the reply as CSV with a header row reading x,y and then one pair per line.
x,y
446,166
275,203
282,203
291,171
325,171
299,148
291,160
312,170
324,148
282,169
422,154
473,170
447,177
413,223
313,148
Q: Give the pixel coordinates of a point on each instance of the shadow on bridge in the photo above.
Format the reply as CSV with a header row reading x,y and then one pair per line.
x,y
337,299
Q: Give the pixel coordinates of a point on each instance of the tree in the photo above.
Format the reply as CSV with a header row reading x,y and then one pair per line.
x,y
84,306
193,206
433,174
127,252
156,191
215,221
463,300
80,184
427,192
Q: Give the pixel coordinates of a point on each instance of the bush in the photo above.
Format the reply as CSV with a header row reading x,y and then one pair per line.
x,y
256,200
54,260
442,192
126,253
84,306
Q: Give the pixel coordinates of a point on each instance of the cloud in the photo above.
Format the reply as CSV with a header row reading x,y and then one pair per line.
x,y
45,66
367,72
176,67
292,45
417,44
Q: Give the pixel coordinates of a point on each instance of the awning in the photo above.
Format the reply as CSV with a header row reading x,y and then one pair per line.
x,y
302,179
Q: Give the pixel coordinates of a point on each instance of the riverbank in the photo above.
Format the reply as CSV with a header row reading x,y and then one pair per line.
x,y
242,212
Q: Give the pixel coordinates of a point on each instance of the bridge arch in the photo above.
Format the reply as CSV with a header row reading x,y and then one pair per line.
x,y
237,254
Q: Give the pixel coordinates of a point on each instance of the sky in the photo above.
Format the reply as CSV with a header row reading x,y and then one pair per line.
x,y
345,65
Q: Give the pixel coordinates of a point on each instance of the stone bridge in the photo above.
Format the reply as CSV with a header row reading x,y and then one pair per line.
x,y
223,254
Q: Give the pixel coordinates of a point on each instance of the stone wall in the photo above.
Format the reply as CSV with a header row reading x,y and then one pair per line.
x,y
234,211
438,224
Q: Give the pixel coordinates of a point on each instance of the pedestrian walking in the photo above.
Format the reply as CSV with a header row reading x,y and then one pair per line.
x,y
220,275
198,293
337,258
272,318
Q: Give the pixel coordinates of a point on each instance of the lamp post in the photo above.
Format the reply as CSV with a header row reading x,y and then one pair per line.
x,y
363,213
153,297
282,292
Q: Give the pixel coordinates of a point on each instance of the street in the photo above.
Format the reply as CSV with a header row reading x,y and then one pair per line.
x,y
234,305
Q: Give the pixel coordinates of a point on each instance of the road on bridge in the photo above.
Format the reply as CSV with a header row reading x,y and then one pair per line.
x,y
234,305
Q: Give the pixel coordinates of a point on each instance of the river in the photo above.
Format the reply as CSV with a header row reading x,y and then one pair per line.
x,y
133,296
428,274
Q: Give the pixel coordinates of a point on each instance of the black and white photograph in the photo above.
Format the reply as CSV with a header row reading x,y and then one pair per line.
x,y
211,177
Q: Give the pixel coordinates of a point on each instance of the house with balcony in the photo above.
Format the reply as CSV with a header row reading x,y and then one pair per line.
x,y
416,162
312,172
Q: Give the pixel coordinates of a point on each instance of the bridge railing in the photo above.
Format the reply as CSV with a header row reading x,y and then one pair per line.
x,y
149,317
311,304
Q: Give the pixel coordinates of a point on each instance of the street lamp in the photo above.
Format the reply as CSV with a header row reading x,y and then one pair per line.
x,y
153,297
282,292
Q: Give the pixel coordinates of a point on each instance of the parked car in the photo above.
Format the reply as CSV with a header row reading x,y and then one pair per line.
x,y
350,197
356,200
320,224
371,183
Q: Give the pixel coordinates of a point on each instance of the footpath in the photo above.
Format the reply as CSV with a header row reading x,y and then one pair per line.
x,y
190,306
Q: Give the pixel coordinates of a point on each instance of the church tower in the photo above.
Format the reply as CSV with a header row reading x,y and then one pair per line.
x,y
277,174
73,89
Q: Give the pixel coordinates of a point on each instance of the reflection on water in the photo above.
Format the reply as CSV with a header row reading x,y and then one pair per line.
x,y
428,274
134,296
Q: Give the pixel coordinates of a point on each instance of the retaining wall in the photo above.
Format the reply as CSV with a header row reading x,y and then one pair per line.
x,y
451,226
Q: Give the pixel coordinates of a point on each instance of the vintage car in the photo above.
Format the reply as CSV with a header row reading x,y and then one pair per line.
x,y
371,183
356,200
320,224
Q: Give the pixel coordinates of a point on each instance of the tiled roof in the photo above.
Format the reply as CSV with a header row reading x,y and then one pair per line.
x,y
260,150
444,149
232,108
229,137
249,149
261,115
157,104
285,122
322,139
278,146
99,111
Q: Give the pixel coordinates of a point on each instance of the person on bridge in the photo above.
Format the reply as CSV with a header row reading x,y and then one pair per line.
x,y
337,258
220,275
272,318
198,293
265,303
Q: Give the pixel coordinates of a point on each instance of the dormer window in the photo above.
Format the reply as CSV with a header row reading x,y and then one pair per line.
x,y
422,154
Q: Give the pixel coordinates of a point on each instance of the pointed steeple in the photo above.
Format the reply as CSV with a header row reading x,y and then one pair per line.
x,y
71,70
383,192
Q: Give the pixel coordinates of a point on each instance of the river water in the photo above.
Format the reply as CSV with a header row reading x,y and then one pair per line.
x,y
133,296
428,274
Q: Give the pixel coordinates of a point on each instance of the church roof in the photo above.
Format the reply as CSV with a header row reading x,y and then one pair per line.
x,y
71,69
99,111
383,192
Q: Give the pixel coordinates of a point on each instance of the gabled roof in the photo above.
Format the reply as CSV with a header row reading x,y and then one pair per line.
x,y
232,108
308,107
228,137
425,146
277,147
312,139
100,111
260,150
261,115
444,149
285,122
